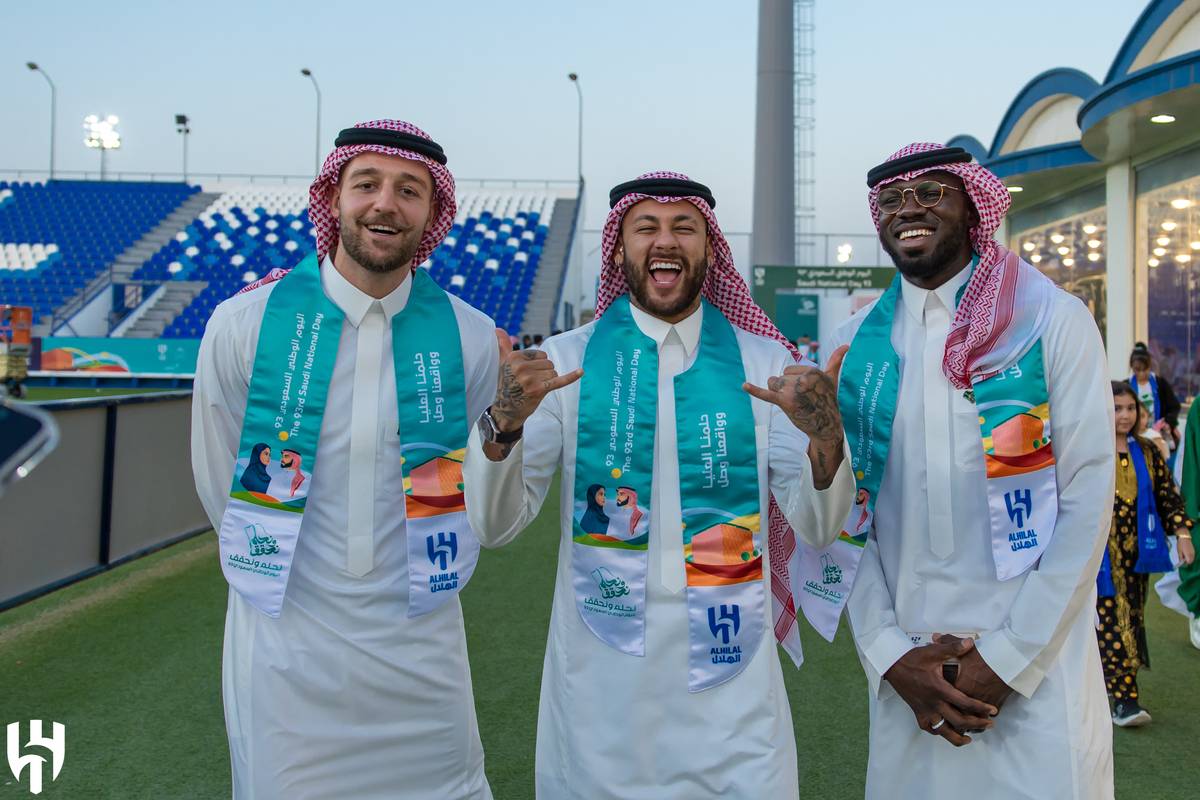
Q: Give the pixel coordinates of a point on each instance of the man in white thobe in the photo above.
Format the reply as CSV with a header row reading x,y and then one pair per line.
x,y
613,725
345,695
928,566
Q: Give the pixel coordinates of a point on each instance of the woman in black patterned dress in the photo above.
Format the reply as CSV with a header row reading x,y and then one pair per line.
x,y
1122,631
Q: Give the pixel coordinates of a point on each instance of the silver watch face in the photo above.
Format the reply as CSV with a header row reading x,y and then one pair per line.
x,y
487,427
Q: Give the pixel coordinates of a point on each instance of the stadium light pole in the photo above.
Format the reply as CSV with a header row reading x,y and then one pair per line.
x,y
183,127
33,67
574,78
306,72
101,134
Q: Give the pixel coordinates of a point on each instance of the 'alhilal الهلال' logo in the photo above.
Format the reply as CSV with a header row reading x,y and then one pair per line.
x,y
56,744
724,623
1020,505
1020,510
442,548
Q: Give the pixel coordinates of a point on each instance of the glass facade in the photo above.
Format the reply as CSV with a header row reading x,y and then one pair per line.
x,y
1168,244
1066,239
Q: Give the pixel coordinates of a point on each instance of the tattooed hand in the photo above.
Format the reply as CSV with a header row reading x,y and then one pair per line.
x,y
808,396
526,376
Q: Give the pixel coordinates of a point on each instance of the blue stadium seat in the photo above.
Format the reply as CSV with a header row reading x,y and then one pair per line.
x,y
489,257
55,237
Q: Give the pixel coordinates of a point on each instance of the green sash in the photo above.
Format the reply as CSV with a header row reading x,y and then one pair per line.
x,y
718,476
293,362
1014,419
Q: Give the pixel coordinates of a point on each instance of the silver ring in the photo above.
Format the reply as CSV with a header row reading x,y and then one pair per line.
x,y
940,723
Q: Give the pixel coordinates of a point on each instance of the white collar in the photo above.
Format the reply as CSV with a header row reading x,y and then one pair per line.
x,y
687,329
915,297
354,302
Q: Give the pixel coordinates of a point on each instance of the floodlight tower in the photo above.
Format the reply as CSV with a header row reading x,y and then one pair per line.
x,y
784,178
774,239
101,134
804,114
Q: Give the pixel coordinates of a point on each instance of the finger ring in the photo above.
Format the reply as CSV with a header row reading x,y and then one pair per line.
x,y
940,723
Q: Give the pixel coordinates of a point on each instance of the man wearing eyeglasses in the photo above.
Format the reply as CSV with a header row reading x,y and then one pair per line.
x,y
976,404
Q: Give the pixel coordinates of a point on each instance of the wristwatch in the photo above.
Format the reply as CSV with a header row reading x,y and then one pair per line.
x,y
489,431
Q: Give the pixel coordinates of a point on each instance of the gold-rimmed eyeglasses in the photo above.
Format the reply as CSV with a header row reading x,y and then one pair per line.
x,y
927,194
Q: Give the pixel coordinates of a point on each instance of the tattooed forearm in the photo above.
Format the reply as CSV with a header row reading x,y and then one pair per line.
x,y
825,458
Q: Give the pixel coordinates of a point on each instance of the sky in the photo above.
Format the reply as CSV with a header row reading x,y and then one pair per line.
x,y
667,84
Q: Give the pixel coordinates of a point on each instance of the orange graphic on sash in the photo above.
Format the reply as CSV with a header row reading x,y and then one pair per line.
x,y
722,555
434,488
1019,445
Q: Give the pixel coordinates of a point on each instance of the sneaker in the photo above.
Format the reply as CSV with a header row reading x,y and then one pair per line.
x,y
1128,714
1194,631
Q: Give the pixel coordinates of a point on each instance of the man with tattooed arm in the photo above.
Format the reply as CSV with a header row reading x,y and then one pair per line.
x,y
682,399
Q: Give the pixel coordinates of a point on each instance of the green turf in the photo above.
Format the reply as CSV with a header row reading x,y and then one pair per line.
x,y
130,662
40,393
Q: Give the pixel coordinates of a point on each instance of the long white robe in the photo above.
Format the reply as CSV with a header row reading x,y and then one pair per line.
x,y
615,726
1053,737
343,695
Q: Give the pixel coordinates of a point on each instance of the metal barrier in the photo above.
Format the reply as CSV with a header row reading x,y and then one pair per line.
x,y
119,486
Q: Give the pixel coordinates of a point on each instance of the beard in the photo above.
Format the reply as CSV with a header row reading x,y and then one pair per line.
x,y
406,245
691,281
927,266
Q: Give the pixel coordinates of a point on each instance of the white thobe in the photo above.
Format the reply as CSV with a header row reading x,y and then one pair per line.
x,y
343,695
928,568
612,725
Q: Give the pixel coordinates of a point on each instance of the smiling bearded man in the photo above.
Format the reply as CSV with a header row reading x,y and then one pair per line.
x,y
982,456
660,680
345,667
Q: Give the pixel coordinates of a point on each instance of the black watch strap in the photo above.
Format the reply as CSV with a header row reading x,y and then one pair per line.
x,y
493,432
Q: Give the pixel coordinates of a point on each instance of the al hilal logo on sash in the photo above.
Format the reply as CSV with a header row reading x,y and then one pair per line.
x,y
1019,503
56,744
725,621
443,549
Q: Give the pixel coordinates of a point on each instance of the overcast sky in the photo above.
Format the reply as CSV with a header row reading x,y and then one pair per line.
x,y
668,84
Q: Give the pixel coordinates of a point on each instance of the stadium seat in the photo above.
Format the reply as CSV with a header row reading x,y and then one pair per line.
x,y
489,257
55,237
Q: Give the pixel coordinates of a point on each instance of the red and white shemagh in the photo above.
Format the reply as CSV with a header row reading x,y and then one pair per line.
x,y
325,224
725,288
1005,305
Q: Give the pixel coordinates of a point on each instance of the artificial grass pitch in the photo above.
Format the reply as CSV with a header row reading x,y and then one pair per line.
x,y
130,662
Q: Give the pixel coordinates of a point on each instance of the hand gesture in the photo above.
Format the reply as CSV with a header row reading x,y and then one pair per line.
x,y
808,395
940,708
526,376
